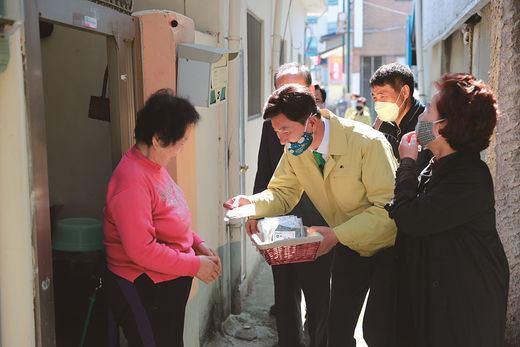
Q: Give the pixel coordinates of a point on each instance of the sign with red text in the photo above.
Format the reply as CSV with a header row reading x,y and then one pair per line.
x,y
335,70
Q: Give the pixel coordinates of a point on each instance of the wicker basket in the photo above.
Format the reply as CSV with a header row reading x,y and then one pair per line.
x,y
288,251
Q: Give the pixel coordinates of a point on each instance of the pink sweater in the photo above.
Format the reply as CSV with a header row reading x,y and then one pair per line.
x,y
147,223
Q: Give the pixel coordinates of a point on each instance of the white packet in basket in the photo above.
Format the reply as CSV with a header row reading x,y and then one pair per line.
x,y
281,228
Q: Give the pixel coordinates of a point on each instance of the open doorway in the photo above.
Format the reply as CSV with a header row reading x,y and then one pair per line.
x,y
69,167
79,163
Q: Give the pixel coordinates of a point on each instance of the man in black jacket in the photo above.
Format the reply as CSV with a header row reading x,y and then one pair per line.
x,y
397,110
290,279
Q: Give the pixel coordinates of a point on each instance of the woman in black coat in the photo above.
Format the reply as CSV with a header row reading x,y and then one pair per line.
x,y
454,275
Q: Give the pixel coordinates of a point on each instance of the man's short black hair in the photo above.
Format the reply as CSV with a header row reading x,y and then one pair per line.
x,y
396,75
166,116
302,69
322,92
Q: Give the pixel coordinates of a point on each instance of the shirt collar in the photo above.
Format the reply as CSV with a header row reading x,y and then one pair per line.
x,y
412,114
324,145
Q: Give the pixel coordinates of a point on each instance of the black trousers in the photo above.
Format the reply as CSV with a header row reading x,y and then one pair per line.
x,y
313,278
150,314
352,276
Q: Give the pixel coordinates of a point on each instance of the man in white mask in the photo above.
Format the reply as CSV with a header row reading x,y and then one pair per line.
x,y
397,110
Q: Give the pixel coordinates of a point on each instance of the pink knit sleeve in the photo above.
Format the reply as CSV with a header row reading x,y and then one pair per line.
x,y
196,239
132,214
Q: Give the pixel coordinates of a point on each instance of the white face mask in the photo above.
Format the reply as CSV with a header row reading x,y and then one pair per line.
x,y
388,111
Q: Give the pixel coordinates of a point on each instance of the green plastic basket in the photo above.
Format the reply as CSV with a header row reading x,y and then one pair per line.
x,y
78,235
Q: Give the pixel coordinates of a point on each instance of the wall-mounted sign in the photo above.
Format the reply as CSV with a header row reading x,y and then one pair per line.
x,y
203,73
219,79
335,70
89,22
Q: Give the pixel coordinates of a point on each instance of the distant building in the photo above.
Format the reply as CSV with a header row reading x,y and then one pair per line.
x,y
378,37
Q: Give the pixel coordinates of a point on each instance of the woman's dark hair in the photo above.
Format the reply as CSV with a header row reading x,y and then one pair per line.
x,y
396,75
292,100
471,110
166,116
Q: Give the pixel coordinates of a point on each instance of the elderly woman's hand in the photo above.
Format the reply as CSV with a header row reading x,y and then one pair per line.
x,y
408,147
209,271
203,249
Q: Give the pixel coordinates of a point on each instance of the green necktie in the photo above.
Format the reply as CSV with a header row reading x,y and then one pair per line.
x,y
319,160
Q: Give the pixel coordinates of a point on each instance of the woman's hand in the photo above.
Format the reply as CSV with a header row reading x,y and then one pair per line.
x,y
408,147
329,239
252,227
209,271
237,201
204,249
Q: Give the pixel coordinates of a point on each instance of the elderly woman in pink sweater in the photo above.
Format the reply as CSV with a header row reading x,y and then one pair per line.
x,y
152,253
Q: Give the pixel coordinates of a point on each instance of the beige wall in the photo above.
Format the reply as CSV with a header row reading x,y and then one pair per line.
x,y
264,10
16,258
294,36
79,154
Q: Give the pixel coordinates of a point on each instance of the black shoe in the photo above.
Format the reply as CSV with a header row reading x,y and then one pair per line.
x,y
272,310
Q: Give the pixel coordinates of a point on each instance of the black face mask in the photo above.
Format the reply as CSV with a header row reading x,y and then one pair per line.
x,y
359,108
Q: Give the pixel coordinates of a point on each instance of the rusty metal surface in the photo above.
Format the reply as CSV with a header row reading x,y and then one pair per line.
x,y
39,189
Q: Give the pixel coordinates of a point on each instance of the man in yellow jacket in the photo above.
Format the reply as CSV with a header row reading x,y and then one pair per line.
x,y
348,171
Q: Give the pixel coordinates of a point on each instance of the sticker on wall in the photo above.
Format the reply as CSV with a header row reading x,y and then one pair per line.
x,y
219,79
90,22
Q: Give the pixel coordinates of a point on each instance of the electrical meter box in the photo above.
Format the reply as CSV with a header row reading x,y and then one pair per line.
x,y
202,75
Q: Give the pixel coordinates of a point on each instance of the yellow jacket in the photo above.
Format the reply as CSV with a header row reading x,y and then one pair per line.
x,y
351,113
357,182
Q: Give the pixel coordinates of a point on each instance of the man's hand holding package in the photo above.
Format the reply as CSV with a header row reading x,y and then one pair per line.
x,y
329,239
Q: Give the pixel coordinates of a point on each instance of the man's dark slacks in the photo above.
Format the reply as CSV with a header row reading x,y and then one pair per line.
x,y
313,278
352,276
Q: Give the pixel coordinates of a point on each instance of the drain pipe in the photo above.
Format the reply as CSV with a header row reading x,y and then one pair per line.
x,y
277,28
235,225
419,50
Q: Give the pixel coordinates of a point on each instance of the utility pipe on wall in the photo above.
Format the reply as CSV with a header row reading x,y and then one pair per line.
x,y
233,127
277,28
419,50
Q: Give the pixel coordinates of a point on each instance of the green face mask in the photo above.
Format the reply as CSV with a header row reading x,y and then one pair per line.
x,y
298,147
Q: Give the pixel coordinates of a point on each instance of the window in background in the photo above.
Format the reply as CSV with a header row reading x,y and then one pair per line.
x,y
332,27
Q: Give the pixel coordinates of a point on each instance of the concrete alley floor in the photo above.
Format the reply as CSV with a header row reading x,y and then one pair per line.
x,y
255,327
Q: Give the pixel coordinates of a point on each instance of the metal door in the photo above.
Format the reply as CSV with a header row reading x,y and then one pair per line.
x,y
119,29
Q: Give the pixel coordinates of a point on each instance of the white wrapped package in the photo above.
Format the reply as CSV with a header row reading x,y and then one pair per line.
x,y
281,228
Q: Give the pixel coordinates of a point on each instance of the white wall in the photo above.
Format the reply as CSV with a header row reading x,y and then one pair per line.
x,y
440,18
453,55
263,10
79,154
16,257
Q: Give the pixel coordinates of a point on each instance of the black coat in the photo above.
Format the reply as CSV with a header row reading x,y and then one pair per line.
x,y
269,155
454,275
